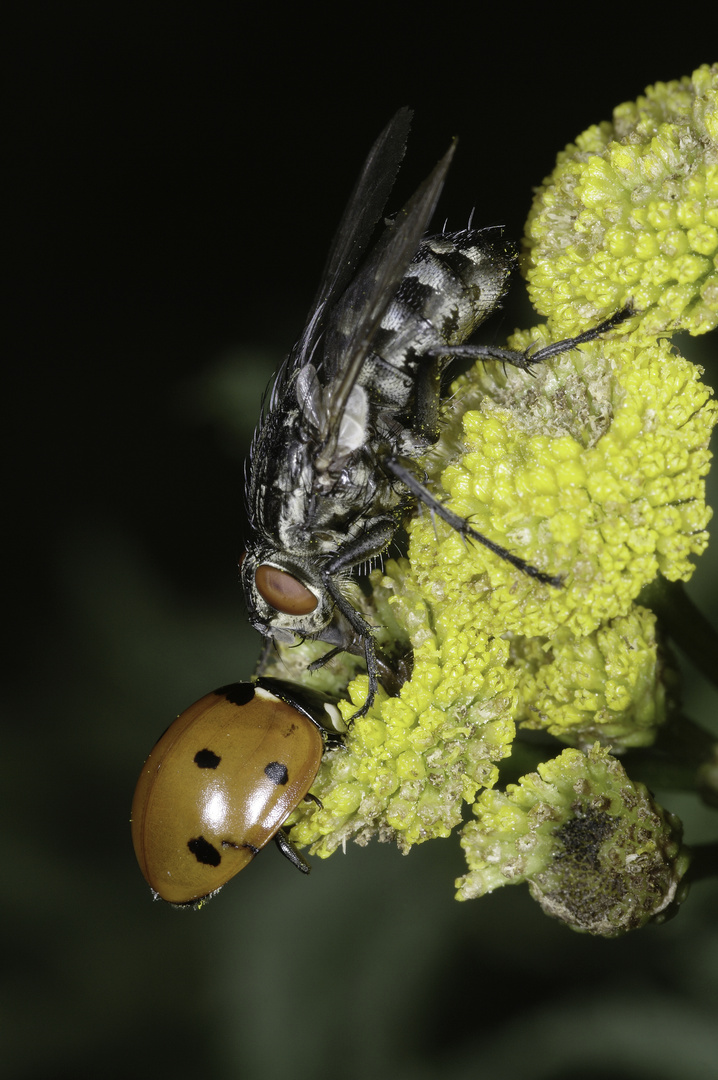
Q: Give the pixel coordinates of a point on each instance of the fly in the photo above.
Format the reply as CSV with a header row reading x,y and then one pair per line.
x,y
332,468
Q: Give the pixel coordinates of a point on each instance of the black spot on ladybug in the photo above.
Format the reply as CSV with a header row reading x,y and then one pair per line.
x,y
277,772
206,759
239,693
204,852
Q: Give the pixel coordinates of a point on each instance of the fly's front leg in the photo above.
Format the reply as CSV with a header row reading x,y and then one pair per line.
x,y
268,647
525,360
371,542
392,673
462,526
363,632
317,664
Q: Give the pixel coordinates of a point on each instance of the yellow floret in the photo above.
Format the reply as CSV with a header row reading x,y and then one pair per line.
x,y
597,851
610,493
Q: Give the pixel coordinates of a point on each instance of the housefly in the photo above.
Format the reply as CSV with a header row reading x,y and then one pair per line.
x,y
333,465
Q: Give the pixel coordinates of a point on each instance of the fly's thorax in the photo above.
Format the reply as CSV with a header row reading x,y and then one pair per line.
x,y
285,596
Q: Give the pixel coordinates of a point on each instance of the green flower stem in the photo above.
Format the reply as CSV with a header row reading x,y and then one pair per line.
x,y
704,863
682,759
685,623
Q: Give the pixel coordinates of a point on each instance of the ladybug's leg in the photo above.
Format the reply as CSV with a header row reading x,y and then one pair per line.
x,y
289,851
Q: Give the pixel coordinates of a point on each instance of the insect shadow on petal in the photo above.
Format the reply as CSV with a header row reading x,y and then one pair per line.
x,y
332,469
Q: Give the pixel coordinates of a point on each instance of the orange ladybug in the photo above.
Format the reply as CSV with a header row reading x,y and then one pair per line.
x,y
222,780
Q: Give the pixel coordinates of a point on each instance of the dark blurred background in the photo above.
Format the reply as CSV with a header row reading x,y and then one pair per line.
x,y
178,171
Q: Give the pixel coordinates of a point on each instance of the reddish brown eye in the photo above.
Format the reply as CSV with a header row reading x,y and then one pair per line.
x,y
283,591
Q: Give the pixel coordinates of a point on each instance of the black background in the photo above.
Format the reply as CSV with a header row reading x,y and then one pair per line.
x,y
177,173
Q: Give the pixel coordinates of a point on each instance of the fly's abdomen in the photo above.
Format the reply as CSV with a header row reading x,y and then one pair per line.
x,y
452,284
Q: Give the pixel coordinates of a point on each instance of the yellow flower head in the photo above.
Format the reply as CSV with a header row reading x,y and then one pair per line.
x,y
610,686
631,213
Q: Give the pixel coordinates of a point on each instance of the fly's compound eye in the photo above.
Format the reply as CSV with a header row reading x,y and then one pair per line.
x,y
284,592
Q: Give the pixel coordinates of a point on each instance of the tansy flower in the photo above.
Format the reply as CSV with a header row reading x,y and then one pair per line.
x,y
631,212
593,470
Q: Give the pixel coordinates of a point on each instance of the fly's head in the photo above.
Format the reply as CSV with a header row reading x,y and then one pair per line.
x,y
285,595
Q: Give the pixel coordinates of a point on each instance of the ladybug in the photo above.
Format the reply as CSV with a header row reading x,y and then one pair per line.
x,y
222,780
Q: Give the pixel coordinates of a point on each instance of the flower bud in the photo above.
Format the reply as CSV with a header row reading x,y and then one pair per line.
x,y
596,850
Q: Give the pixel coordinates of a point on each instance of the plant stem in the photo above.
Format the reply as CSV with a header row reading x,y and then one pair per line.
x,y
704,862
685,623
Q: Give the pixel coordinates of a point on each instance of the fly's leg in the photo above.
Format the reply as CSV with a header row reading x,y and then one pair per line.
x,y
362,630
317,664
375,538
461,525
525,360
268,647
392,674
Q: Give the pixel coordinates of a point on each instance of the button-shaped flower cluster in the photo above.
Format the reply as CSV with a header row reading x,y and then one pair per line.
x,y
631,210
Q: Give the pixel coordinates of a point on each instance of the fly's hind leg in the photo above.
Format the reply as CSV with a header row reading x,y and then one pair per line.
x,y
527,359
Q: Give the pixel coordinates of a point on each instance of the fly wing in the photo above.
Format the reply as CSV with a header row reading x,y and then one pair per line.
x,y
358,315
359,219
365,206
